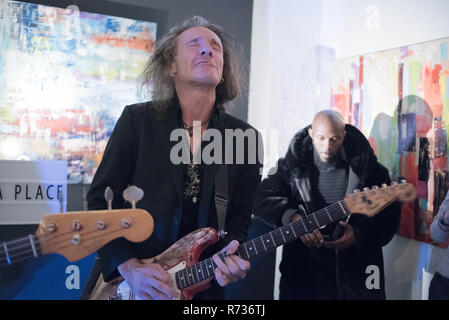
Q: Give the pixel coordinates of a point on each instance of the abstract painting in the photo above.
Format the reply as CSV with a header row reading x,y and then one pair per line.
x,y
65,77
399,99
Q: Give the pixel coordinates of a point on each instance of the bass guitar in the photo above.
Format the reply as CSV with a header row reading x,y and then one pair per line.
x,y
77,234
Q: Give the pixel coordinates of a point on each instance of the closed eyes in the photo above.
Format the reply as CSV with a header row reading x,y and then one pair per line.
x,y
194,43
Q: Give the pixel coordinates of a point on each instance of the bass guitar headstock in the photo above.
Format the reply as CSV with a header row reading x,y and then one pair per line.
x,y
80,233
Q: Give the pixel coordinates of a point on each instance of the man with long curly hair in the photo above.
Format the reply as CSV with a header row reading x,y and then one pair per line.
x,y
194,73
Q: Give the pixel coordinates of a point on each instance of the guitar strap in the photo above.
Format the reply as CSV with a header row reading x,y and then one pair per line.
x,y
92,281
221,197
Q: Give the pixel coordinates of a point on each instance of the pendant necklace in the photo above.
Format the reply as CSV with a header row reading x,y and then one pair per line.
x,y
190,128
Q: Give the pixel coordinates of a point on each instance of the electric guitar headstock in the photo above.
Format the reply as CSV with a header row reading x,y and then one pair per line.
x,y
78,234
371,201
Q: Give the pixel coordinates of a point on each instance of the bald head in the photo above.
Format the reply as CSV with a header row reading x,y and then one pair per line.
x,y
333,118
327,133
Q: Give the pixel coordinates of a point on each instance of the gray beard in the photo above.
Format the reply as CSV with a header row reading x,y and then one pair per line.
x,y
329,165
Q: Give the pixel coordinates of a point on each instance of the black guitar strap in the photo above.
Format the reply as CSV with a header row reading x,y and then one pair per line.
x,y
221,197
92,280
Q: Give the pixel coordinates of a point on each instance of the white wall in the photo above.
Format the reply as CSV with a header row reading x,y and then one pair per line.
x,y
284,70
355,27
283,73
293,42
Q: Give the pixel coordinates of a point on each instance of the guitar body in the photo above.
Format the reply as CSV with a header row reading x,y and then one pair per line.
x,y
182,254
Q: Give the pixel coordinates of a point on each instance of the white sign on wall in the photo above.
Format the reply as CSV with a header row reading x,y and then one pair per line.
x,y
30,189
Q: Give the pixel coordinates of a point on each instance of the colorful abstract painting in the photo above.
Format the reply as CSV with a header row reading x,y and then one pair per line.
x,y
65,77
400,100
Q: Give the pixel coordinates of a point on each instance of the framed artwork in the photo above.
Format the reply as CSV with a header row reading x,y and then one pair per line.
x,y
65,77
399,99
67,70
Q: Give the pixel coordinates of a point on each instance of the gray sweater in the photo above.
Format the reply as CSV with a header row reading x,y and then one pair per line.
x,y
440,233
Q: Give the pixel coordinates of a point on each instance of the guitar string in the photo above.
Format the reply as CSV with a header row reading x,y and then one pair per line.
x,y
209,261
12,256
19,239
36,241
332,209
46,236
322,213
42,238
277,233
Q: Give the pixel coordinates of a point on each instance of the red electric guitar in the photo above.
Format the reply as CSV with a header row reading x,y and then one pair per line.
x,y
191,277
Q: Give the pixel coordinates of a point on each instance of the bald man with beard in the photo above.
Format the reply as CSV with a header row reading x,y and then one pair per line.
x,y
324,162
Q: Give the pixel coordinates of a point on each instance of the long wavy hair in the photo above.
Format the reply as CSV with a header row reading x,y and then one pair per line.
x,y
156,81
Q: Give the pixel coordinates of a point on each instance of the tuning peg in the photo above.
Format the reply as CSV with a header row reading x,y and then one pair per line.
x,y
51,227
109,196
394,183
77,225
101,224
133,194
76,239
375,187
365,189
356,190
403,181
383,185
126,223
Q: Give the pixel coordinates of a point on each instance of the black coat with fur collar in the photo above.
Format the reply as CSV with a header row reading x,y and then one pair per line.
x,y
310,273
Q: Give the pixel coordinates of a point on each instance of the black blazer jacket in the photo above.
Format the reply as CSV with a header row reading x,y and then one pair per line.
x,y
138,153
